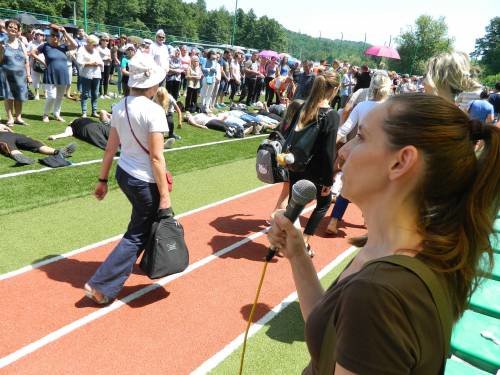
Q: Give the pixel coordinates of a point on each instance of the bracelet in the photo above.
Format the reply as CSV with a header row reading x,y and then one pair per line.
x,y
105,180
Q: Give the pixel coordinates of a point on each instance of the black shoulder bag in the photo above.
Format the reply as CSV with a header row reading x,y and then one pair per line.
x,y
166,251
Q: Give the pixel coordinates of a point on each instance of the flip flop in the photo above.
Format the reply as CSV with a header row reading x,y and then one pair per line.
x,y
20,122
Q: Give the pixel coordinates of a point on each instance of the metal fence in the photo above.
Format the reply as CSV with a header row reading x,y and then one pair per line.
x,y
94,26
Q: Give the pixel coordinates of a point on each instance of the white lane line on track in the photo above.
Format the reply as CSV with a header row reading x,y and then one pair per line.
x,y
117,237
31,171
63,331
220,356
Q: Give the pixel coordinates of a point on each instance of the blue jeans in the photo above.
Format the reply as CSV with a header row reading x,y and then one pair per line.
x,y
339,208
90,88
144,197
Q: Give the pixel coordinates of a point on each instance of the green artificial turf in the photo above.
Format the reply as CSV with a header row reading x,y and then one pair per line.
x,y
57,228
279,347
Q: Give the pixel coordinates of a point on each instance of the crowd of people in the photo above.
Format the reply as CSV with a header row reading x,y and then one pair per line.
x,y
418,155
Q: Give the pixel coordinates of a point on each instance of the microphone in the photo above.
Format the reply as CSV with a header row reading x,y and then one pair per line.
x,y
303,192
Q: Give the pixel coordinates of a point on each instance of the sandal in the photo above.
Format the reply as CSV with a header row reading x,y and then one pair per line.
x,y
310,251
95,295
10,123
20,122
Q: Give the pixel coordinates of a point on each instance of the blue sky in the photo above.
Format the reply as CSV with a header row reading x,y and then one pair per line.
x,y
380,19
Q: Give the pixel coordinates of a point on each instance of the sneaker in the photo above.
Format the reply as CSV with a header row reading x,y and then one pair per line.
x,y
84,115
37,97
45,118
95,114
59,118
169,143
66,151
175,136
22,159
102,97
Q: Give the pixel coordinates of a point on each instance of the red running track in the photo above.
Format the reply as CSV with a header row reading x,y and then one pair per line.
x,y
170,330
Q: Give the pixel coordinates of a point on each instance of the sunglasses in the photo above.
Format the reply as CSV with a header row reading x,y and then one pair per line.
x,y
160,37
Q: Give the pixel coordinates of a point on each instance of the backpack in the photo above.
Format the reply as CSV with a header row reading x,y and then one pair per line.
x,y
301,144
266,164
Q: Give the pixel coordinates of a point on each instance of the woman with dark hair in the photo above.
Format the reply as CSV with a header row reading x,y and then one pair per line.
x,y
55,77
314,128
425,193
16,73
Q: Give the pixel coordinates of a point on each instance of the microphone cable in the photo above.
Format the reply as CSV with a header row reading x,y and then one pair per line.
x,y
252,311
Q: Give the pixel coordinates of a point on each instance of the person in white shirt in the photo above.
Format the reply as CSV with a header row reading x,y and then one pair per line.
x,y
90,65
105,53
137,127
160,52
379,91
36,76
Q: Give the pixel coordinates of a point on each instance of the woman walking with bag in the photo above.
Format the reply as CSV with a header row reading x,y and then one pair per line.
x,y
312,142
137,126
429,200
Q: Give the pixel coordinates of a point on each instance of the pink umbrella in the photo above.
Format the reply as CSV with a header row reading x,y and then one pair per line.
x,y
382,51
268,54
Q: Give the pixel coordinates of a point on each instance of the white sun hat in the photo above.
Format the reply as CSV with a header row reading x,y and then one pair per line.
x,y
144,72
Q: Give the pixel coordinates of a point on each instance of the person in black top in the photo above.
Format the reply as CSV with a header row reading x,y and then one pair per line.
x,y
363,79
304,81
11,143
315,117
494,99
88,130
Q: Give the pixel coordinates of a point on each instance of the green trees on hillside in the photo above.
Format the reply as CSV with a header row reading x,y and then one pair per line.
x,y
420,42
488,48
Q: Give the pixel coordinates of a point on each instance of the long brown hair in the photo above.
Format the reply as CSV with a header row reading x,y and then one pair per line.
x,y
459,194
287,119
324,86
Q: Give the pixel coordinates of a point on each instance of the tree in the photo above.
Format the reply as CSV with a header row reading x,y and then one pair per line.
x,y
269,34
420,42
217,27
488,48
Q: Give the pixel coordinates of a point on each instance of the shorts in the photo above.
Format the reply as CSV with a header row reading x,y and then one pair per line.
x,y
223,86
13,141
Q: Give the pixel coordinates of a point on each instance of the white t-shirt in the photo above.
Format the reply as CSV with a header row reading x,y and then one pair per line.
x,y
357,115
85,57
145,117
160,55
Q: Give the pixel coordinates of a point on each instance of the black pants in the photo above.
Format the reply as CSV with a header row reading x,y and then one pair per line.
x,y
322,205
183,82
171,125
250,90
259,84
234,89
191,99
173,87
103,87
269,91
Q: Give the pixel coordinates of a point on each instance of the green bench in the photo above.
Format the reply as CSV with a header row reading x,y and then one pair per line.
x,y
468,344
486,298
457,367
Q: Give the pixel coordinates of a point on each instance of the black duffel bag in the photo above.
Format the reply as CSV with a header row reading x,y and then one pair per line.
x,y
166,252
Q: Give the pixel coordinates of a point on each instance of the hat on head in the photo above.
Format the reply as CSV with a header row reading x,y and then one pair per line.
x,y
129,46
147,41
160,32
144,72
38,32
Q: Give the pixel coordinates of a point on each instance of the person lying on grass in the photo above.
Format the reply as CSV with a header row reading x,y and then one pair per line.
x,y
11,142
222,122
